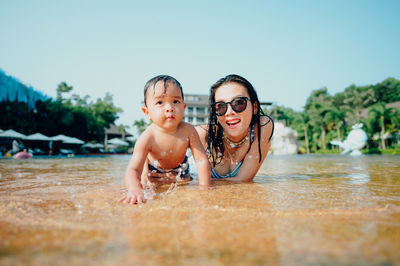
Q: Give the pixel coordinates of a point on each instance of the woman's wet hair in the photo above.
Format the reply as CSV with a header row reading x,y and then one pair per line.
x,y
165,79
215,143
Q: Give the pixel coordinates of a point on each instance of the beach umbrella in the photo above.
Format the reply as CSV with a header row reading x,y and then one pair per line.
x,y
98,145
130,138
93,145
67,140
12,134
75,141
88,145
118,142
38,136
60,137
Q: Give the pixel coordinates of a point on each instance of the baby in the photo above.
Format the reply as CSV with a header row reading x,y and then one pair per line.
x,y
162,146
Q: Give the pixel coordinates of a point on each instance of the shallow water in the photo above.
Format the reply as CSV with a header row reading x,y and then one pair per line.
x,y
301,210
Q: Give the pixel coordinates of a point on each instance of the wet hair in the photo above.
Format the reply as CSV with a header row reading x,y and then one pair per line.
x,y
215,143
164,78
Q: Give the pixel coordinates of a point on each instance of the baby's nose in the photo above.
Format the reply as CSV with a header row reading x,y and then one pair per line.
x,y
169,107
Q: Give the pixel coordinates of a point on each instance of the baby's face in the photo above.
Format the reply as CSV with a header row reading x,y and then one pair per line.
x,y
165,108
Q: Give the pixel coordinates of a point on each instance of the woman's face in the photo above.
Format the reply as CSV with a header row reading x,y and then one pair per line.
x,y
235,125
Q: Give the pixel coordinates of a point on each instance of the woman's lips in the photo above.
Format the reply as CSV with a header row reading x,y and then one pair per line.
x,y
232,123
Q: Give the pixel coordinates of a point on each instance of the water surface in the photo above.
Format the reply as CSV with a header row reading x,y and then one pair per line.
x,y
303,210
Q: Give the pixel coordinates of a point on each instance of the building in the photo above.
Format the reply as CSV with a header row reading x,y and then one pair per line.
x,y
197,109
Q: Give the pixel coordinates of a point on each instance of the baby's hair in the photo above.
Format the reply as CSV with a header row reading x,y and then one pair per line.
x,y
164,78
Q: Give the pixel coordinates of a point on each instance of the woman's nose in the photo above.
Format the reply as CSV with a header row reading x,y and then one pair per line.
x,y
229,109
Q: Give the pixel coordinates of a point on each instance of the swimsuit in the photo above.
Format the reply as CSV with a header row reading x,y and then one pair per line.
x,y
236,170
182,169
232,174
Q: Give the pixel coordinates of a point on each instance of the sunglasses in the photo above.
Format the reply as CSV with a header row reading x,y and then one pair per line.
x,y
238,105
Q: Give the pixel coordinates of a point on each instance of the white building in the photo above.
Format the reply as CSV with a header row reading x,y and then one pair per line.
x,y
197,109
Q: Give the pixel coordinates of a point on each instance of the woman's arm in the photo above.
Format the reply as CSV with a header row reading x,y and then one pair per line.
x,y
202,131
251,163
200,158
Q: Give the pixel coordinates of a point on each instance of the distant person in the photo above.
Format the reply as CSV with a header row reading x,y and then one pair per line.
x,y
24,154
50,148
15,146
162,147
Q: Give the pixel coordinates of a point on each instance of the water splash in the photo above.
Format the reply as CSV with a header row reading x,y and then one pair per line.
x,y
149,192
77,204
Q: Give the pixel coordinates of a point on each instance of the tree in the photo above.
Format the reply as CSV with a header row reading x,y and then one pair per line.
x,y
357,98
336,116
140,125
122,129
282,114
383,116
301,121
317,106
388,90
62,88
105,111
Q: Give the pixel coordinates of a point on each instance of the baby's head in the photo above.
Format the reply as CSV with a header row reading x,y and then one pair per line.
x,y
165,80
163,99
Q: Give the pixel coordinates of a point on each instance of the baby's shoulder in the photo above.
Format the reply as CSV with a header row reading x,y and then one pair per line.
x,y
186,127
147,135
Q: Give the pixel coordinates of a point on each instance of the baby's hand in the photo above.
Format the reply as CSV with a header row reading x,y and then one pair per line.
x,y
133,198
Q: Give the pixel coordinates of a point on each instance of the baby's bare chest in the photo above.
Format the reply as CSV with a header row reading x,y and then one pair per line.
x,y
169,152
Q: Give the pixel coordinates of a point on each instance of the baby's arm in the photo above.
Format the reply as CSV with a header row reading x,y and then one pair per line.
x,y
200,157
134,170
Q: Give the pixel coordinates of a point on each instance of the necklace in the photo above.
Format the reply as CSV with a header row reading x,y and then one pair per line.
x,y
236,144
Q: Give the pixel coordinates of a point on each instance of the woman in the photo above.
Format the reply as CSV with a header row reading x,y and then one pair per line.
x,y
238,134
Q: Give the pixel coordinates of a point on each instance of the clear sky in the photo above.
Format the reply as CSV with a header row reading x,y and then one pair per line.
x,y
285,49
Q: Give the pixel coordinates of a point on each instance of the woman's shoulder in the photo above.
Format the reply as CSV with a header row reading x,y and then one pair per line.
x,y
267,126
265,120
202,131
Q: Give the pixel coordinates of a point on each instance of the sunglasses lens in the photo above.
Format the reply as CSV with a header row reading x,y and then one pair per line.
x,y
220,108
239,105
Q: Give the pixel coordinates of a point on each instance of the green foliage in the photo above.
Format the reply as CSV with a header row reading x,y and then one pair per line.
x,y
140,125
62,88
73,116
327,117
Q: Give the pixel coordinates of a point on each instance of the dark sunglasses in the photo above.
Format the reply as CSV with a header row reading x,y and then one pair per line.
x,y
238,105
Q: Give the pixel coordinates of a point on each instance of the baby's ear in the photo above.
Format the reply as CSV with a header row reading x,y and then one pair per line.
x,y
146,112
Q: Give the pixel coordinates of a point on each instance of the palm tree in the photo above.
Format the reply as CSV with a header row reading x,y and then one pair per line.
x,y
122,129
357,98
337,116
140,125
301,120
317,106
62,88
383,116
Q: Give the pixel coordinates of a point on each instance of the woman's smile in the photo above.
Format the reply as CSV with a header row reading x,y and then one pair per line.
x,y
233,122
